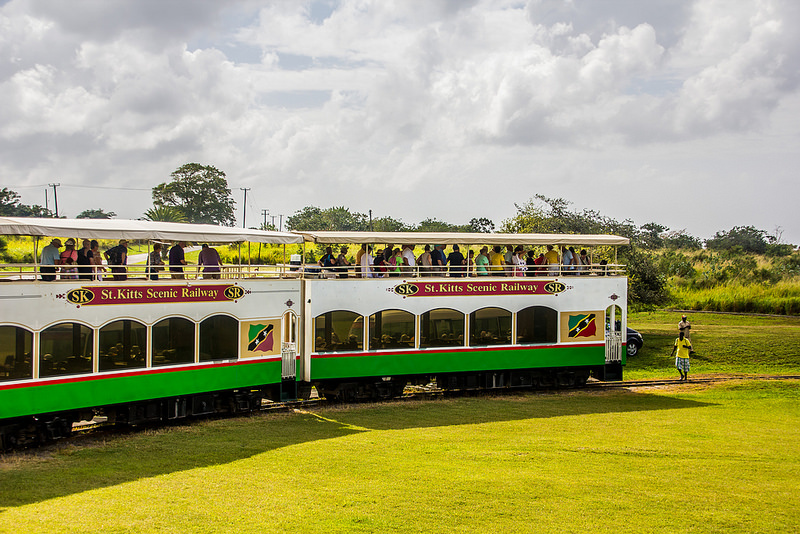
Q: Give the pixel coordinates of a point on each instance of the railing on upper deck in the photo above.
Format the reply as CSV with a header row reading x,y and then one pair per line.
x,y
31,272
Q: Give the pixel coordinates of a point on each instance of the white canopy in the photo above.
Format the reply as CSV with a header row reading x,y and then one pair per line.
x,y
463,238
127,229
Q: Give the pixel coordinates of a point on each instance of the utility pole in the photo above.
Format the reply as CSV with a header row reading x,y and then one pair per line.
x,y
264,213
370,220
280,225
46,205
55,196
244,212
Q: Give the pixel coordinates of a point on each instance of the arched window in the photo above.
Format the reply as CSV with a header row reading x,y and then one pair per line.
x,y
537,324
219,338
123,345
489,326
614,316
338,331
173,341
441,328
65,349
16,345
391,329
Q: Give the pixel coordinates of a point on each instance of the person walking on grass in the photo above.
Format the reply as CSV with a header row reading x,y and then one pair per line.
x,y
683,348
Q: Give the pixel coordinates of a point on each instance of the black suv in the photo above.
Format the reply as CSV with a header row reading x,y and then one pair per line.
x,y
635,342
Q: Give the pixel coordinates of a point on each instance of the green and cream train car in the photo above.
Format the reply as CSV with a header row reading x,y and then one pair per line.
x,y
143,349
367,337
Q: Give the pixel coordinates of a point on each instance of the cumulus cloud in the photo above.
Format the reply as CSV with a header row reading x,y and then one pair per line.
x,y
354,97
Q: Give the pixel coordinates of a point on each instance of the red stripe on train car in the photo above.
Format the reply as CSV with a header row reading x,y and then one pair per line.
x,y
141,372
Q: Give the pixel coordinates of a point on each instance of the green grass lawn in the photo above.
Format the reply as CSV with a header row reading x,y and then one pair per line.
x,y
723,344
692,458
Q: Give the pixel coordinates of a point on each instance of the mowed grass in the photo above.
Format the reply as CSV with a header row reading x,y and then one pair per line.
x,y
694,458
724,343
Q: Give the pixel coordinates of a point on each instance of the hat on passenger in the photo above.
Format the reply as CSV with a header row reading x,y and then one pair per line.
x,y
56,241
70,242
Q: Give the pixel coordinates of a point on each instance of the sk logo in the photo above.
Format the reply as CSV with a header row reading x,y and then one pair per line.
x,y
406,289
80,296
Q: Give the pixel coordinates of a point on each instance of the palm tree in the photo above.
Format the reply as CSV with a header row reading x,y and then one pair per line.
x,y
164,214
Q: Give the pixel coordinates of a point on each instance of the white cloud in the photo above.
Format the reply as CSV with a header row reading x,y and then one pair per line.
x,y
414,108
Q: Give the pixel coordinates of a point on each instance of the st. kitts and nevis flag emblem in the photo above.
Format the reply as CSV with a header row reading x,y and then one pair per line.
x,y
582,325
260,338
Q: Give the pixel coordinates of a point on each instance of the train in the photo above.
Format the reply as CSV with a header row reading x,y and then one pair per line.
x,y
141,350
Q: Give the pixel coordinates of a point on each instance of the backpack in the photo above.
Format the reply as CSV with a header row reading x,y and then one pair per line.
x,y
114,255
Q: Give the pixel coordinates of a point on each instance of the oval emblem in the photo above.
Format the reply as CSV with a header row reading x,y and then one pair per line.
x,y
80,296
406,289
554,287
233,292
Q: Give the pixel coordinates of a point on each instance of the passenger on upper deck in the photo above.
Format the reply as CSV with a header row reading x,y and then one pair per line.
x,y
408,259
456,261
379,265
117,257
497,260
69,259
481,261
508,260
438,260
395,262
327,262
359,255
366,261
520,267
97,261
177,259
154,262
209,257
425,261
85,260
552,259
49,259
342,263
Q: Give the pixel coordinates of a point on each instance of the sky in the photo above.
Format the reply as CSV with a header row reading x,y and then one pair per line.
x,y
683,113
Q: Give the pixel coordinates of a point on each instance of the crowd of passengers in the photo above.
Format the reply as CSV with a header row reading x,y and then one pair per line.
x,y
86,263
435,261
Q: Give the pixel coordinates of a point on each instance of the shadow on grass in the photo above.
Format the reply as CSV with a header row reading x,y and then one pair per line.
x,y
70,469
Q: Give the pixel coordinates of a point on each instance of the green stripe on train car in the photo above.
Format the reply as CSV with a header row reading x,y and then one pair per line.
x,y
47,398
428,362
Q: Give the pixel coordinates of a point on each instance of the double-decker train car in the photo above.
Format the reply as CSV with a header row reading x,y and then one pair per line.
x,y
138,349
368,337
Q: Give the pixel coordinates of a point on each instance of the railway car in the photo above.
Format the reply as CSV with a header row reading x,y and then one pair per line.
x,y
370,337
139,350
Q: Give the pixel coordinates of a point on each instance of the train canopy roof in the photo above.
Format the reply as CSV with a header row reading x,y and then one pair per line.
x,y
127,229
463,238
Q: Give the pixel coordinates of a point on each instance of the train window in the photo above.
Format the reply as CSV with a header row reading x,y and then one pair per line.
x,y
16,345
391,329
489,326
65,349
338,331
173,341
442,328
123,345
537,324
219,338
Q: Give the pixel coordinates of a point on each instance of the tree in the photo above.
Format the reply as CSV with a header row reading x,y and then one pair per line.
x,y
435,225
96,214
199,192
10,206
750,239
387,224
481,226
651,235
164,214
338,218
680,239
